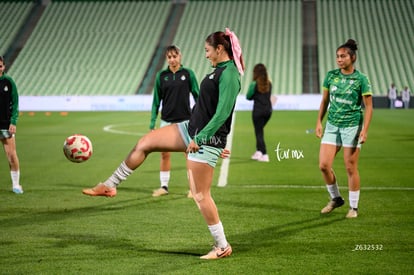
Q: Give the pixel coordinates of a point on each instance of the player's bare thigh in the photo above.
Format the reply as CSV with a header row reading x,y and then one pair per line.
x,y
166,139
327,155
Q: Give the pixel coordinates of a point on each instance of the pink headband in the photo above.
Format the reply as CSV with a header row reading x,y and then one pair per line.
x,y
237,51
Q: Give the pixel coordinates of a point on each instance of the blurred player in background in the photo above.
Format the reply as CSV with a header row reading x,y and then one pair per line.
x,y
9,113
172,89
260,91
344,91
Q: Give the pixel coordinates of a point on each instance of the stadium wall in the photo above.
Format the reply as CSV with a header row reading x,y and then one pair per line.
x,y
144,103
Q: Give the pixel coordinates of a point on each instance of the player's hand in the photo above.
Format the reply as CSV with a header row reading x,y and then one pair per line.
x,y
225,153
318,130
192,147
12,129
362,137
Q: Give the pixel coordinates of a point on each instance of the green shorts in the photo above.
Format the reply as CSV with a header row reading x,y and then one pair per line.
x,y
164,123
206,154
345,137
5,134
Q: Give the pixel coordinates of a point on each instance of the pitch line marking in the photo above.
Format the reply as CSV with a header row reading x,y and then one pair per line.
x,y
224,169
111,129
268,186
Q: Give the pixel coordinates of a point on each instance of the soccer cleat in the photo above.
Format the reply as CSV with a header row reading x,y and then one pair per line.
x,y
100,190
18,189
334,203
352,213
263,158
256,155
217,253
160,192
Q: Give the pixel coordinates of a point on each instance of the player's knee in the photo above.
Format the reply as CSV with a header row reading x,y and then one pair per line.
x,y
165,155
199,197
324,167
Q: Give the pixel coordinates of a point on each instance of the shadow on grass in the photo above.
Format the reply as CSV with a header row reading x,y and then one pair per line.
x,y
28,216
270,236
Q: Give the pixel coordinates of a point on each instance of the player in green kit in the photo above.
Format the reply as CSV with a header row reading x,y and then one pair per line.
x,y
344,91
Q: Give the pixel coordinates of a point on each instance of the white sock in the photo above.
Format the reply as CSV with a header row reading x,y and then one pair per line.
x,y
164,178
120,174
353,199
217,231
333,190
15,177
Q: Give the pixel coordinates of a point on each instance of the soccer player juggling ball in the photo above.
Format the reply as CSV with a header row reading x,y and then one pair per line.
x,y
203,137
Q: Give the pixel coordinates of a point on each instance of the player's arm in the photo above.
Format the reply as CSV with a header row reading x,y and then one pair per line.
x,y
15,108
322,111
250,91
367,99
155,101
194,87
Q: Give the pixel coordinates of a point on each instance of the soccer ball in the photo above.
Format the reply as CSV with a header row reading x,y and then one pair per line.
x,y
77,148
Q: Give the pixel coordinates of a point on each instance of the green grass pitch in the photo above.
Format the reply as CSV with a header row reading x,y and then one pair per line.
x,y
270,211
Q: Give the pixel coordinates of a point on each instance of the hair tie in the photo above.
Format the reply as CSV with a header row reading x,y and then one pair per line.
x,y
237,51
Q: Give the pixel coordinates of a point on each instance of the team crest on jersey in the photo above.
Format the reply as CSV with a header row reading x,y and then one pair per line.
x,y
183,77
211,76
6,89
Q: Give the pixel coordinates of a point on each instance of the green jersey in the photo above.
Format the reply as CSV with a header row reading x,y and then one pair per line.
x,y
345,97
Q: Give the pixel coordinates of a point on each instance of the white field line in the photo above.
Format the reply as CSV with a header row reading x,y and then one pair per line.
x,y
224,169
285,186
111,129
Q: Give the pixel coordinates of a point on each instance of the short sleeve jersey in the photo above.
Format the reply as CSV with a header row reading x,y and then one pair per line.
x,y
345,97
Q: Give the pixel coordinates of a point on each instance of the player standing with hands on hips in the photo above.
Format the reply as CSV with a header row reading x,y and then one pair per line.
x,y
172,88
203,137
344,91
9,113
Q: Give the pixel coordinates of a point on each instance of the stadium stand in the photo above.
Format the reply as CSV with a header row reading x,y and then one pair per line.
x,y
13,15
269,32
384,31
90,48
106,47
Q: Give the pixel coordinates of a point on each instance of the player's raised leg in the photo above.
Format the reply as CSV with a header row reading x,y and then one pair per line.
x,y
165,139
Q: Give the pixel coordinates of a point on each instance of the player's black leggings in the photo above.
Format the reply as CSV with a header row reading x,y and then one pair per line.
x,y
259,122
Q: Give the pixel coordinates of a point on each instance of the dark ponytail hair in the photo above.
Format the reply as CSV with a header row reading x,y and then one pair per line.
x,y
220,38
261,77
351,46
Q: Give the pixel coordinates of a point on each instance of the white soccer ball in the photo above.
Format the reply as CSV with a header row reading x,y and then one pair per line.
x,y
77,148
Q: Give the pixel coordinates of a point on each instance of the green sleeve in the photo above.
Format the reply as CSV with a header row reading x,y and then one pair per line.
x,y
250,91
366,86
15,103
195,89
156,100
229,88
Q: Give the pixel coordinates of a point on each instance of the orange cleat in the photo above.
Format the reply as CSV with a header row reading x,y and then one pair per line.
x,y
100,190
